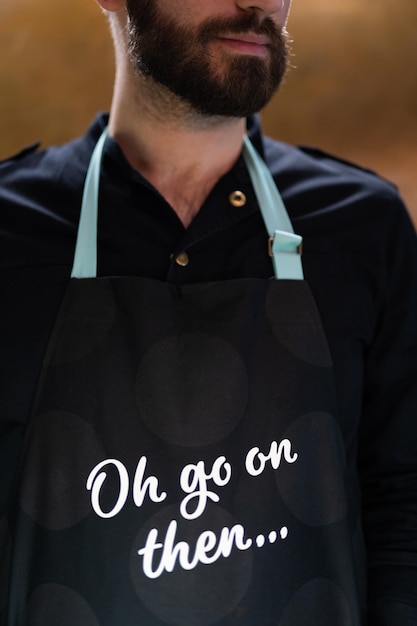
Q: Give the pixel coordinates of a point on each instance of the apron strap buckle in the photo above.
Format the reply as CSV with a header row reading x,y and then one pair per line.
x,y
286,250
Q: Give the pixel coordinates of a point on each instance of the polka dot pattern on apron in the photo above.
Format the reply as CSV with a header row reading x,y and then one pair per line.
x,y
191,390
183,463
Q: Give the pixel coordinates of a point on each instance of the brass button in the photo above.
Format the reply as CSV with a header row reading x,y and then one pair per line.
x,y
237,198
182,259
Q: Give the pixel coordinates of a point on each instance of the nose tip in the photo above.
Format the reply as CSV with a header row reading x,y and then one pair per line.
x,y
269,7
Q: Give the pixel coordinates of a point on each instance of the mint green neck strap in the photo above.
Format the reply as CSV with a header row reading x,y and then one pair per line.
x,y
85,256
285,246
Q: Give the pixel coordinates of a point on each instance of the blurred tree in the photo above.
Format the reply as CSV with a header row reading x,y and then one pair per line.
x,y
57,69
354,89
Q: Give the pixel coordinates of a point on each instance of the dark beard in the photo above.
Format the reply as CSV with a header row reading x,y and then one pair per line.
x,y
178,59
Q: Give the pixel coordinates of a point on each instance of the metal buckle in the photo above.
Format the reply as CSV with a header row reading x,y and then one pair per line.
x,y
271,241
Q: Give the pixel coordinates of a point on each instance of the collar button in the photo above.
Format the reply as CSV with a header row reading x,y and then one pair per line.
x,y
237,198
182,259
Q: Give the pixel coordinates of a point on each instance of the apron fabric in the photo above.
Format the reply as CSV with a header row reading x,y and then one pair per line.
x,y
184,464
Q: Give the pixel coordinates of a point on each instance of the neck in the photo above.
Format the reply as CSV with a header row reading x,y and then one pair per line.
x,y
181,153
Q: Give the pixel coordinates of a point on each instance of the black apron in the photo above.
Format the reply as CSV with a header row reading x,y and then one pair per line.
x,y
184,464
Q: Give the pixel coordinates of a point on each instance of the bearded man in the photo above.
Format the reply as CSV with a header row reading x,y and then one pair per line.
x,y
209,381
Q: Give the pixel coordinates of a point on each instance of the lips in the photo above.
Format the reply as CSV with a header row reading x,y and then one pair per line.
x,y
250,38
246,43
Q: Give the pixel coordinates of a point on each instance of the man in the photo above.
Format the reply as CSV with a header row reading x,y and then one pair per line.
x,y
191,433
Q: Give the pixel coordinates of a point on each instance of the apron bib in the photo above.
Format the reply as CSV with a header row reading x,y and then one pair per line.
x,y
184,464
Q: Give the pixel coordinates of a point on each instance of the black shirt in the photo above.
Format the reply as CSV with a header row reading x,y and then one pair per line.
x,y
359,257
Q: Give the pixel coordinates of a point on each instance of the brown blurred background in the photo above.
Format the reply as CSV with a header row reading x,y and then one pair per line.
x,y
353,89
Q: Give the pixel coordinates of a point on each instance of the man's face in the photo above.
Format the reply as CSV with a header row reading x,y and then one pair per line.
x,y
220,65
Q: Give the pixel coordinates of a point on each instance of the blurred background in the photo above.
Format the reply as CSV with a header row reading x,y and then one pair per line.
x,y
352,90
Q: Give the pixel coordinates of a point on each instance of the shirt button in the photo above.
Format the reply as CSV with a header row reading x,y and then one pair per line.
x,y
182,259
237,198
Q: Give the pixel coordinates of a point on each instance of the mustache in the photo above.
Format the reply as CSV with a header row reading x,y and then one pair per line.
x,y
211,29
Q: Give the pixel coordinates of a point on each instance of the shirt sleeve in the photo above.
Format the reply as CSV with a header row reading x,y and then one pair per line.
x,y
388,438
